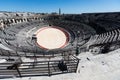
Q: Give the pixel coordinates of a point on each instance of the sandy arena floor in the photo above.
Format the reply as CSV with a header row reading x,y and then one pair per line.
x,y
51,38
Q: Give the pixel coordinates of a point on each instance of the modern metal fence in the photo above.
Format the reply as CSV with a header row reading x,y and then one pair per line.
x,y
11,69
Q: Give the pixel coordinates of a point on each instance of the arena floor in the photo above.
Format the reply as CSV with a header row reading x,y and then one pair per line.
x,y
51,38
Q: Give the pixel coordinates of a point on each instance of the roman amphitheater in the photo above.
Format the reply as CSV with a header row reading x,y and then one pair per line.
x,y
75,47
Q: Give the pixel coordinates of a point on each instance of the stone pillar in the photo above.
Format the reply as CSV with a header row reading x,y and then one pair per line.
x,y
9,20
17,20
13,21
20,21
2,25
23,19
26,20
34,18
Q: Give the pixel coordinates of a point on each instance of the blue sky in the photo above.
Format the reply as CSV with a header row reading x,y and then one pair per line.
x,y
67,6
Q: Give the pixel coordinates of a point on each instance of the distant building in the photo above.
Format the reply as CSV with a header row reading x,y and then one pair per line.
x,y
59,11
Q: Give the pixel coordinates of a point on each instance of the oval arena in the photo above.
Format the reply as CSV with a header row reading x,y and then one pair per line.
x,y
52,38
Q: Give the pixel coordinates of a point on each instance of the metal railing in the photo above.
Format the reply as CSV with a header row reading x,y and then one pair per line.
x,y
38,68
